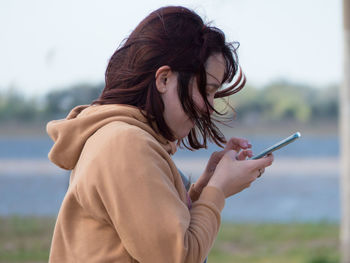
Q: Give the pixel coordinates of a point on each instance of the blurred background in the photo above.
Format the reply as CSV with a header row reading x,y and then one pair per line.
x,y
53,55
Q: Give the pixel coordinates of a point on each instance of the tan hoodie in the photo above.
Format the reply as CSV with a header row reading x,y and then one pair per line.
x,y
126,201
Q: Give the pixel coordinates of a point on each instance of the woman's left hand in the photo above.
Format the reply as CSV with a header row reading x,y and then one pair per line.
x,y
240,145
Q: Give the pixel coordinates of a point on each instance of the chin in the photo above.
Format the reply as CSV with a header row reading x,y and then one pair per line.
x,y
185,132
182,135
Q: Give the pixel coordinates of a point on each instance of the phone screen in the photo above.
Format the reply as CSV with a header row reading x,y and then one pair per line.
x,y
277,146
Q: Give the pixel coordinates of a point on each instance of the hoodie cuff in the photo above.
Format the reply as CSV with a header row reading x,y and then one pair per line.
x,y
213,195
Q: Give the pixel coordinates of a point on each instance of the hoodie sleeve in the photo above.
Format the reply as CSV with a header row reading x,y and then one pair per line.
x,y
135,187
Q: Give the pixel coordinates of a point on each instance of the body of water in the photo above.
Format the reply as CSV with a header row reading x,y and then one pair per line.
x,y
302,185
307,146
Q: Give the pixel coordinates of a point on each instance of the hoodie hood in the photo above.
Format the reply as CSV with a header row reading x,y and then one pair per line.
x,y
70,134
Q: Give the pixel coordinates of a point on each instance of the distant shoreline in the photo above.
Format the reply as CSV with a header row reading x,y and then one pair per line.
x,y
326,166
309,166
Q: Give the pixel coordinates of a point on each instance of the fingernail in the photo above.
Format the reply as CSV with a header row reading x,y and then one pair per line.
x,y
244,144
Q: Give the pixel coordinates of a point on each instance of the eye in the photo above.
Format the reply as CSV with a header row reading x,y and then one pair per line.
x,y
210,92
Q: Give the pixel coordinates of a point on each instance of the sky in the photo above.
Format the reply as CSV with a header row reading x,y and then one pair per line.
x,y
48,44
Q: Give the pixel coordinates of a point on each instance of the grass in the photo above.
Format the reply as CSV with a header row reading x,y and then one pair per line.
x,y
25,239
28,240
272,243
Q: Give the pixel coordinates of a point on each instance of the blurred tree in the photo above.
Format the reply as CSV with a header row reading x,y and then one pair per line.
x,y
14,106
325,103
283,100
279,101
60,102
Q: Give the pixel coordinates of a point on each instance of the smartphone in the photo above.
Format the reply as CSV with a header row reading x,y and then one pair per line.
x,y
277,146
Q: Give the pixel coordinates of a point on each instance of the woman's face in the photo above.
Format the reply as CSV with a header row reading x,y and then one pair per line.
x,y
166,81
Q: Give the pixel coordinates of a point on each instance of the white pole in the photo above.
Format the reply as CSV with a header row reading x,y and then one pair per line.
x,y
345,140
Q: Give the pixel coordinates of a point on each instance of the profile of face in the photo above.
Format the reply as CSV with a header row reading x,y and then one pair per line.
x,y
167,83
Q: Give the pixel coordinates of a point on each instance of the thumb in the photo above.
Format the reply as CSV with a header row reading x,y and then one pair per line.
x,y
263,162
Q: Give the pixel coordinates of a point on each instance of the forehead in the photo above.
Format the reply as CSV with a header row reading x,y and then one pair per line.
x,y
215,68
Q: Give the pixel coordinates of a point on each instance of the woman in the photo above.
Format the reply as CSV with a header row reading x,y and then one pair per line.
x,y
126,200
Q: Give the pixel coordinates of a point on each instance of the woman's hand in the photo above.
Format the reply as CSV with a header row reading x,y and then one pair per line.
x,y
232,175
241,146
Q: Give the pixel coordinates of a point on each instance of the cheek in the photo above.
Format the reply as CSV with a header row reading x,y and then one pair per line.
x,y
198,100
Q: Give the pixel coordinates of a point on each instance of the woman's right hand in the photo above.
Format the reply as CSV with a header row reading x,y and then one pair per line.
x,y
232,175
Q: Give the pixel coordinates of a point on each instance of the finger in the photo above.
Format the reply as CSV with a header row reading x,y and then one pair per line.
x,y
244,154
261,171
237,144
262,162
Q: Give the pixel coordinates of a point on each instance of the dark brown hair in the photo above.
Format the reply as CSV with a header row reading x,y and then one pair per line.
x,y
177,37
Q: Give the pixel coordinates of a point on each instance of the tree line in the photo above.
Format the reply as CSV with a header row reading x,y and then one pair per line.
x,y
285,101
278,101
